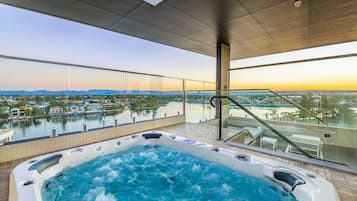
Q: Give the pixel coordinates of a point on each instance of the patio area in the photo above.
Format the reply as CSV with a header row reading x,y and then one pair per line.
x,y
269,65
346,184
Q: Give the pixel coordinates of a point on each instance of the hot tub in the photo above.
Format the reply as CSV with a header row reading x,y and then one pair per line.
x,y
160,166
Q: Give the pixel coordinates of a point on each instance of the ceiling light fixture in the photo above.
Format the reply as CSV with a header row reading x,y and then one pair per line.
x,y
298,3
153,2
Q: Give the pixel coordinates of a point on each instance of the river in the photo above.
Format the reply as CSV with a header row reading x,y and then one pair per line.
x,y
195,112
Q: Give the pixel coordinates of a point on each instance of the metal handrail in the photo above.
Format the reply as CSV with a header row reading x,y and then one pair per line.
x,y
259,120
298,106
289,101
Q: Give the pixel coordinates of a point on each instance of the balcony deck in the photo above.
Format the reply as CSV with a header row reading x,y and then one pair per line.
x,y
346,184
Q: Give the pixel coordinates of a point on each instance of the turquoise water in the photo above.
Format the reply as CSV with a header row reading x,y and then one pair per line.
x,y
160,173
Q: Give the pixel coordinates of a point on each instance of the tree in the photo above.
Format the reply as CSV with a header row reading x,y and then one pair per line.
x,y
288,116
20,103
345,113
38,99
307,103
28,112
2,113
36,111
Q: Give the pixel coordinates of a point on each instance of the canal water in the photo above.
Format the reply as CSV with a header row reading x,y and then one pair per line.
x,y
195,112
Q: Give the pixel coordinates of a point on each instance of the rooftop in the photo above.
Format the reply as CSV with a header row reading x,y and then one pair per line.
x,y
251,27
272,97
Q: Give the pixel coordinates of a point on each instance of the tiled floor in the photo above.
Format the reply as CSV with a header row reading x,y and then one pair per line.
x,y
340,154
4,178
5,170
346,184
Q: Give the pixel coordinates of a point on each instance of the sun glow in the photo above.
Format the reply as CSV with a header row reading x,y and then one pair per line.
x,y
331,74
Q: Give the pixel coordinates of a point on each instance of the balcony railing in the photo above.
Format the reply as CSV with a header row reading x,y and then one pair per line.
x,y
335,141
40,98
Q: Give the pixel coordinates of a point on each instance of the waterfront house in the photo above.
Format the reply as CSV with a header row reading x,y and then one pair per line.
x,y
93,107
18,111
5,109
76,108
41,106
56,110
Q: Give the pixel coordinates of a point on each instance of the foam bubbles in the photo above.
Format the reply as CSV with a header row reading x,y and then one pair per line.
x,y
98,180
105,197
156,174
226,188
196,168
116,161
112,175
104,168
197,188
98,194
213,176
149,155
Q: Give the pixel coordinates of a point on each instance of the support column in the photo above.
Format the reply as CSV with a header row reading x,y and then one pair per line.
x,y
222,79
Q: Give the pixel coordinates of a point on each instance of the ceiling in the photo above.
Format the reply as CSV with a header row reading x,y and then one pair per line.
x,y
251,27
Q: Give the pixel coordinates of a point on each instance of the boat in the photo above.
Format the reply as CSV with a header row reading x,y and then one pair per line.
x,y
6,135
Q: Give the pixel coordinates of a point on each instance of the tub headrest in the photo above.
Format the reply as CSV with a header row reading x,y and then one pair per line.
x,y
45,163
289,178
152,135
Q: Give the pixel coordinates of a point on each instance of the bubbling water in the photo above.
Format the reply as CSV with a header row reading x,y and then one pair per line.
x,y
157,173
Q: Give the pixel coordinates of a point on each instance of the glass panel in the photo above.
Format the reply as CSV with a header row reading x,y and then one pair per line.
x,y
191,85
96,99
171,100
331,74
324,89
45,99
328,142
198,95
28,90
143,95
210,86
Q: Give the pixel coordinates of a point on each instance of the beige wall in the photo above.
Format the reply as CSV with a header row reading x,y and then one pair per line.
x,y
222,80
38,147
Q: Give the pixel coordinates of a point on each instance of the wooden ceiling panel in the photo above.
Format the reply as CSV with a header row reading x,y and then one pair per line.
x,y
252,27
166,18
283,17
244,28
327,39
208,36
254,6
329,28
213,13
120,7
258,43
194,46
238,50
322,10
351,36
141,30
293,36
70,9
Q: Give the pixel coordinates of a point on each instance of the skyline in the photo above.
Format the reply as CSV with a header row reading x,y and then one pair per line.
x,y
54,39
28,34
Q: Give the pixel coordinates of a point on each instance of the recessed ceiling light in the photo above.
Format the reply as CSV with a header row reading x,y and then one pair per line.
x,y
297,3
153,2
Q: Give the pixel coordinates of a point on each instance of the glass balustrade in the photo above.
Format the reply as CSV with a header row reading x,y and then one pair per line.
x,y
41,99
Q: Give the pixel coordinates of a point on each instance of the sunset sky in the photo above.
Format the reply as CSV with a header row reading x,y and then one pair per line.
x,y
32,35
332,74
